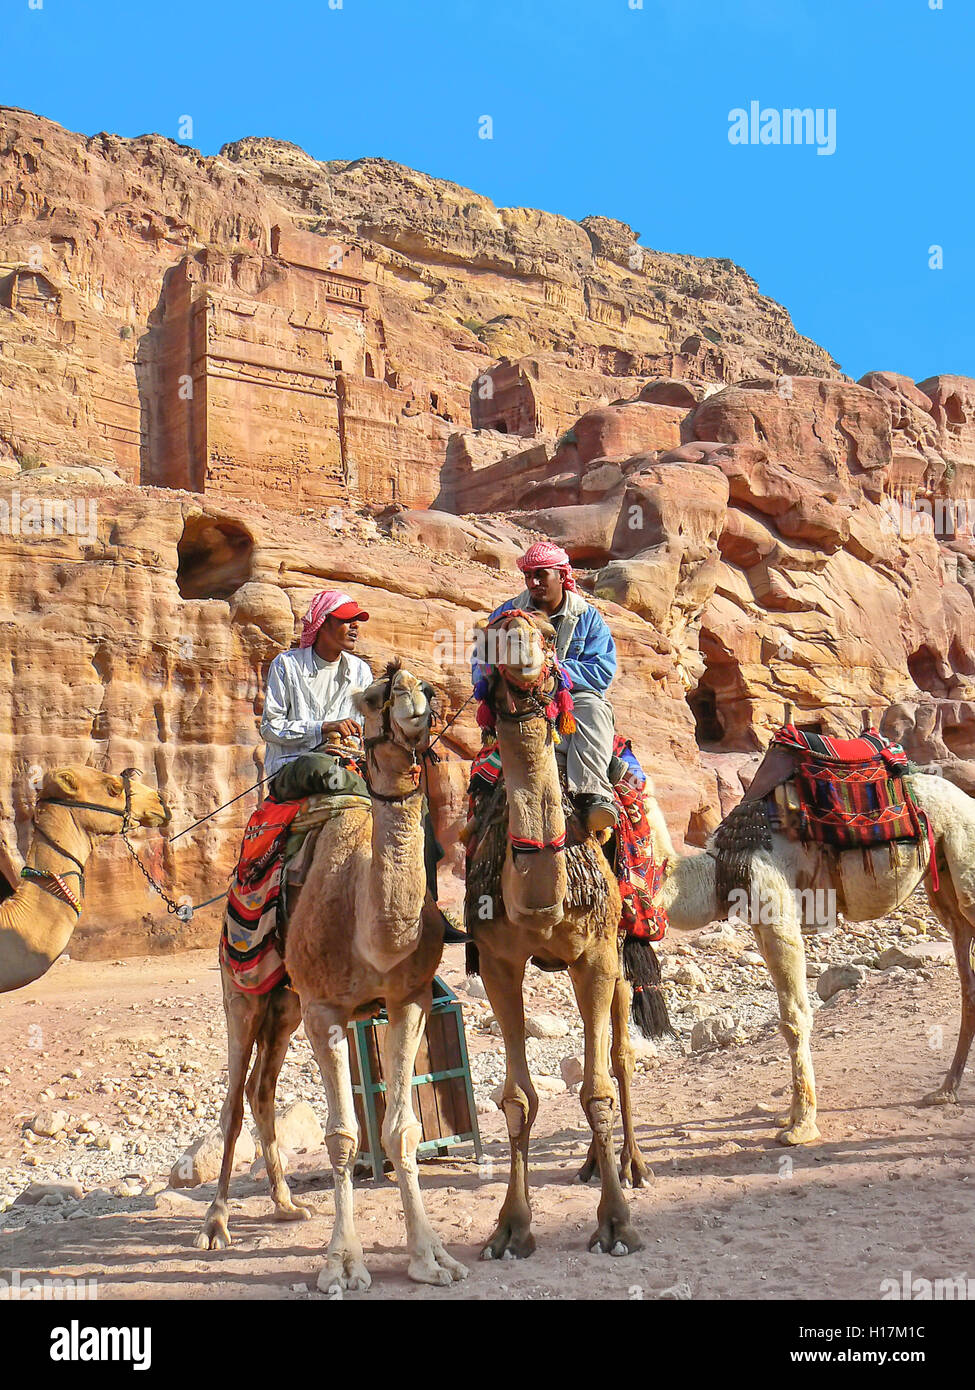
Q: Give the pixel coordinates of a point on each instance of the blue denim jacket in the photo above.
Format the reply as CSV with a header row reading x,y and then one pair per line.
x,y
584,645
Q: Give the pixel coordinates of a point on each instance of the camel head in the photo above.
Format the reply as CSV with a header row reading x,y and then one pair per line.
x,y
398,712
97,800
519,650
520,647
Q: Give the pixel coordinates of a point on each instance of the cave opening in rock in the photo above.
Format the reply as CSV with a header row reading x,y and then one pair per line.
x,y
925,671
708,727
216,556
953,411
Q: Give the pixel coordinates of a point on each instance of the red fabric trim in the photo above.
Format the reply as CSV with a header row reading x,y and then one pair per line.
x,y
519,842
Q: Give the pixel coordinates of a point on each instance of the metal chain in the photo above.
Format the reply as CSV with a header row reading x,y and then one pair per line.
x,y
183,912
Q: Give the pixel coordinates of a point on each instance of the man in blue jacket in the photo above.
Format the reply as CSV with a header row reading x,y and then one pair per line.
x,y
585,647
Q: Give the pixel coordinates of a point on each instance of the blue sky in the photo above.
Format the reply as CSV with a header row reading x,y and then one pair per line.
x,y
598,106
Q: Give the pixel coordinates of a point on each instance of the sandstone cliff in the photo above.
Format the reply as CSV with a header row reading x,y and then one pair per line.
x,y
269,373
262,324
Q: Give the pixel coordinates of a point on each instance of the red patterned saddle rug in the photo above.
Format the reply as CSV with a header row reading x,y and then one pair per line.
x,y
254,921
852,793
637,872
250,945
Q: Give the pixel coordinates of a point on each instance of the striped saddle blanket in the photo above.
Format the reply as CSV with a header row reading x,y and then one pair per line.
x,y
850,793
278,844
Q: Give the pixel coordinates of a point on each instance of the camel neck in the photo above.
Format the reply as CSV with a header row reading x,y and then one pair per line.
x,y
36,926
58,844
397,879
531,778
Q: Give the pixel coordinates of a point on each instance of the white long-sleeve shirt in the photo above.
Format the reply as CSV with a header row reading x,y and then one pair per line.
x,y
303,691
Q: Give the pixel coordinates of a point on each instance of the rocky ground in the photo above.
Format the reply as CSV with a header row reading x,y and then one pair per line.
x,y
125,1063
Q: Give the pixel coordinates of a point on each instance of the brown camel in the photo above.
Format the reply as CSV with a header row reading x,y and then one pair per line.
x,y
269,1020
538,922
358,937
77,807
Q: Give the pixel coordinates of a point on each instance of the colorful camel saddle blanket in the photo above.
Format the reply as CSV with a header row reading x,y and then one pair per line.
x,y
276,852
629,851
850,793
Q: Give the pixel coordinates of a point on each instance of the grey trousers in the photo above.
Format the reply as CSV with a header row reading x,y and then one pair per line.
x,y
586,754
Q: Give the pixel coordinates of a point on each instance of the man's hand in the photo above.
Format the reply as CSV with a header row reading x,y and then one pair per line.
x,y
345,728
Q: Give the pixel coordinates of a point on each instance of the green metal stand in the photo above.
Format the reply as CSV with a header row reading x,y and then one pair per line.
x,y
447,1111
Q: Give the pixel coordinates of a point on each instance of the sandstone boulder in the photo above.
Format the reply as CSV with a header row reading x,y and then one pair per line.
x,y
837,978
200,1163
266,608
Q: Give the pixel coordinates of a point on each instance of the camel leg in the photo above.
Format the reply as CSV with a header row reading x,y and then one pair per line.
x,y
245,1014
429,1261
512,1237
326,1029
961,925
282,1018
780,943
634,1170
594,980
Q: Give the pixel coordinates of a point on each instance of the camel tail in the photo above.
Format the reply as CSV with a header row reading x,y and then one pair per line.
x,y
472,959
642,969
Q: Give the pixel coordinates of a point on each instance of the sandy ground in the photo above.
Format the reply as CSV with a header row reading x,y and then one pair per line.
x,y
729,1213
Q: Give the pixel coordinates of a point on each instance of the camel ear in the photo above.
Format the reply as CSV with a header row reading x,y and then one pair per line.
x,y
368,701
65,781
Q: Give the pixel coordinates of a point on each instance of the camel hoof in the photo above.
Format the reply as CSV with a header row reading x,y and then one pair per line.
x,y
807,1132
435,1266
615,1237
341,1272
587,1172
217,1238
293,1211
939,1097
634,1171
509,1244
784,1120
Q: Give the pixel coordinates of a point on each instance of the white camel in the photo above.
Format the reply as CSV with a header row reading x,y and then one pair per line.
x,y
868,884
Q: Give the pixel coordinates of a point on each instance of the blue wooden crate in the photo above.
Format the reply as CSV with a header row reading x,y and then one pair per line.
x,y
443,1096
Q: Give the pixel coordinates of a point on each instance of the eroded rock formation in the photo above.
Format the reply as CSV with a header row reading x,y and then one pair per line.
x,y
268,373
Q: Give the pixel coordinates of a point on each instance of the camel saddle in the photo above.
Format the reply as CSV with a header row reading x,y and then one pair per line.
x,y
849,793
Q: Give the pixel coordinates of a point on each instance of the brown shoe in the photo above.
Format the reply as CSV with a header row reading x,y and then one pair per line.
x,y
597,812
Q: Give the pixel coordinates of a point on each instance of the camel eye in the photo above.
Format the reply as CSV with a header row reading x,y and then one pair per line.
x,y
115,788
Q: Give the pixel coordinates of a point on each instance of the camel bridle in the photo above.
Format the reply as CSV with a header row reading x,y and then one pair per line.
x,y
54,883
388,735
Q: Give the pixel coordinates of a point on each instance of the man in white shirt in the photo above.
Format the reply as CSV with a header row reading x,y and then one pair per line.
x,y
309,696
309,689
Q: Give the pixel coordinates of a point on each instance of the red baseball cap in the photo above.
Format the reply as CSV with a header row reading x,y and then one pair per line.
x,y
329,603
347,611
